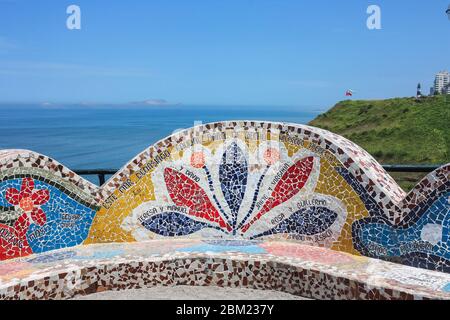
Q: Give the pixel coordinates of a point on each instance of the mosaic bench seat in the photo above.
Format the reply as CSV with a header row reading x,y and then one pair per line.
x,y
234,181
303,270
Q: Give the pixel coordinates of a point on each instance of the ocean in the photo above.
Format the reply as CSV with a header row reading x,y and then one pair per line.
x,y
104,137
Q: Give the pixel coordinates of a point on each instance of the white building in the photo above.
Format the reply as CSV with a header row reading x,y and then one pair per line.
x,y
442,83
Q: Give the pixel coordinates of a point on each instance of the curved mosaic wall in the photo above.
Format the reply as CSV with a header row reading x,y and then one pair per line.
x,y
231,180
294,268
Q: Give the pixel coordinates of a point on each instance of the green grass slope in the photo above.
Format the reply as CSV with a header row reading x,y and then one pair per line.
x,y
395,131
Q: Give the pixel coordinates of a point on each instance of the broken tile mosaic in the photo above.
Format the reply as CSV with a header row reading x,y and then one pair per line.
x,y
230,181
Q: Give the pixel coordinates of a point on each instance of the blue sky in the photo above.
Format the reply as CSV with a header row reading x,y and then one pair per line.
x,y
219,52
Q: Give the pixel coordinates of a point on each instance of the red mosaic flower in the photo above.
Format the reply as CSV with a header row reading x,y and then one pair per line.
x,y
28,199
13,241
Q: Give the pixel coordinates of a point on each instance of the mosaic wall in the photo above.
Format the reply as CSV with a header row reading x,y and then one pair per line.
x,y
231,180
43,206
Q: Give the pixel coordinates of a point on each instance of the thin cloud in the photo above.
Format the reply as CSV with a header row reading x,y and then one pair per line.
x,y
33,68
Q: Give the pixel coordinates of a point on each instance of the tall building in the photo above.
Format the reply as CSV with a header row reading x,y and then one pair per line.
x,y
442,82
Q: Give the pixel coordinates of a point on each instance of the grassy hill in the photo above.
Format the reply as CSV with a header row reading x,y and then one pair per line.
x,y
395,131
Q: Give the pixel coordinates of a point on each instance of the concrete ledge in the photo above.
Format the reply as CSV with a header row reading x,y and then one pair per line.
x,y
301,270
